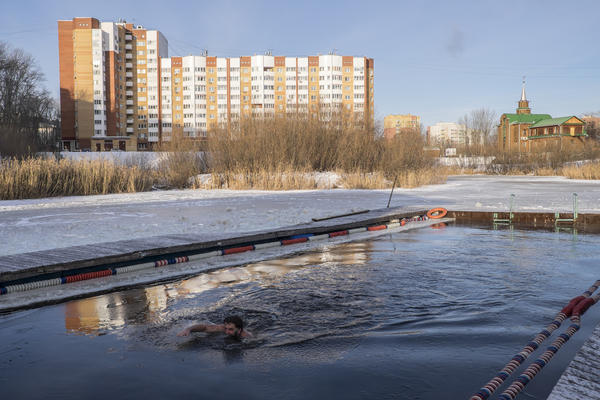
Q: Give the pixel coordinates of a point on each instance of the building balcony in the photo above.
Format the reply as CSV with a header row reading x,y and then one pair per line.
x,y
128,46
129,102
128,56
128,65
129,93
130,120
129,129
129,74
128,37
129,111
129,84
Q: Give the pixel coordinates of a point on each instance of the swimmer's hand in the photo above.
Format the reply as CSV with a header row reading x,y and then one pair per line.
x,y
185,332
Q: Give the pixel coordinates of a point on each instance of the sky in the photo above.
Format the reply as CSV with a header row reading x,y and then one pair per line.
x,y
436,59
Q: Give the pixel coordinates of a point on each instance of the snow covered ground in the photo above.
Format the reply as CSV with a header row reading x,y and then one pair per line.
x,y
39,224
142,158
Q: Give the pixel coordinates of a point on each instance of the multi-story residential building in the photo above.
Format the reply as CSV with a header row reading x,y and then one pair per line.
x,y
394,124
448,134
120,89
109,74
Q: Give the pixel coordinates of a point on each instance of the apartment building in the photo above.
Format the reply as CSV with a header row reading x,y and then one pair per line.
x,y
448,134
394,124
109,74
120,89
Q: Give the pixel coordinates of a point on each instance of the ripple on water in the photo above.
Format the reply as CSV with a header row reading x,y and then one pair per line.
x,y
403,311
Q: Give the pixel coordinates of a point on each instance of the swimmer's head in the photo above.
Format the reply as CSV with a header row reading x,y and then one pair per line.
x,y
234,326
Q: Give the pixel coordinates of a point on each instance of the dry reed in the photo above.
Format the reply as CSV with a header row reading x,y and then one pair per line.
x,y
266,153
181,160
585,171
285,179
552,161
279,153
36,177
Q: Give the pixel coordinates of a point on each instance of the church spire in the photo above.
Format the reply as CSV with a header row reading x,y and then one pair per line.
x,y
523,103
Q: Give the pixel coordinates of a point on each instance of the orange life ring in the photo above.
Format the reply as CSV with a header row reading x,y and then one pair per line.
x,y
436,213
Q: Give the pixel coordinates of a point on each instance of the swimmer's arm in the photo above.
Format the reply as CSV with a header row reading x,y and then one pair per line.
x,y
201,328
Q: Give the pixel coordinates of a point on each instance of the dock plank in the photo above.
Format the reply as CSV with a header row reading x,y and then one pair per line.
x,y
581,380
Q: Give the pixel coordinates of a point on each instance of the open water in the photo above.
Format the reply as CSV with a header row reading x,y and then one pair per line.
x,y
425,314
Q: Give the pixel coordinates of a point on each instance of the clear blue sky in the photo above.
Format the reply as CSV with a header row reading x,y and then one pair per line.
x,y
437,59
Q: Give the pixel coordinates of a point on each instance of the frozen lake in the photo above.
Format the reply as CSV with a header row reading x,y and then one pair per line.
x,y
40,224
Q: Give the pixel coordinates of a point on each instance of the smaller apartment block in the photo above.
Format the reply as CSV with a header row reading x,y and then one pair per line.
x,y
394,124
121,90
448,134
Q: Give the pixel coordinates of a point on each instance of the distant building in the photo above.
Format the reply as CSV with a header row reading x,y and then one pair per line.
x,y
119,89
527,132
394,124
592,126
591,120
448,134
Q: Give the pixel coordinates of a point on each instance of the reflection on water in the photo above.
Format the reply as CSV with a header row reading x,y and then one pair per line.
x,y
114,310
147,305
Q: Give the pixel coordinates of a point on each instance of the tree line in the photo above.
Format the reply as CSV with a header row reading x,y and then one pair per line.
x,y
28,113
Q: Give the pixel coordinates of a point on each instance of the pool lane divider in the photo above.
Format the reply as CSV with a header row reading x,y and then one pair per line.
x,y
287,242
235,250
291,240
574,309
338,233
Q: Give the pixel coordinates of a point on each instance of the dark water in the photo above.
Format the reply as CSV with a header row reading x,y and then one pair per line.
x,y
427,314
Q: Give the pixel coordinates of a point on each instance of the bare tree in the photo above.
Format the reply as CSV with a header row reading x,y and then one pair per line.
x,y
24,103
479,125
592,126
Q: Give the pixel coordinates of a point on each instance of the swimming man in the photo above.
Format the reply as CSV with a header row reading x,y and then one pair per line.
x,y
233,326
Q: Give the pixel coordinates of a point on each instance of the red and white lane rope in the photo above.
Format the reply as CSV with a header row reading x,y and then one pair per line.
x,y
575,309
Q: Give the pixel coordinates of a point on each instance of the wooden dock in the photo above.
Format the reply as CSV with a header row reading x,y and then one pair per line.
x,y
53,263
581,379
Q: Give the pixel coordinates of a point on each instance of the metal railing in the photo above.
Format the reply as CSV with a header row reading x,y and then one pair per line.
x,y
505,221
